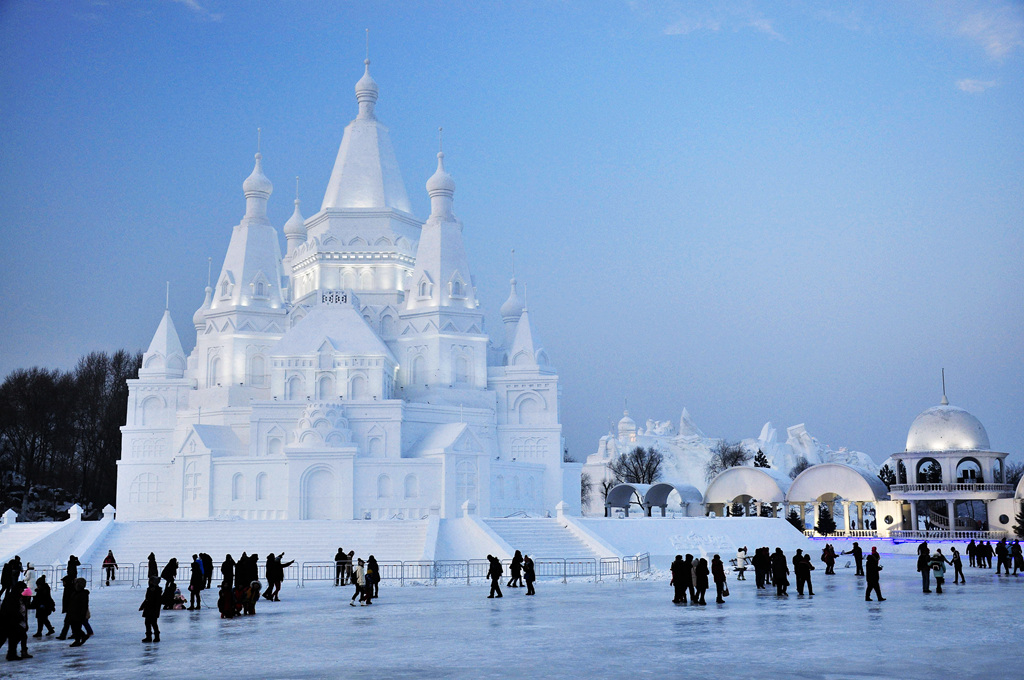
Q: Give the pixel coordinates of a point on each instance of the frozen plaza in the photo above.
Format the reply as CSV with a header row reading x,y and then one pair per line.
x,y
611,629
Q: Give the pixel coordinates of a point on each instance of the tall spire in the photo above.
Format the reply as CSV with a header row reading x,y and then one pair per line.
x,y
295,227
441,187
257,188
165,358
366,88
944,402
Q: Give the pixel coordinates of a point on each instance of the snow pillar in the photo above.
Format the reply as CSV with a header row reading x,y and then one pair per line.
x,y
913,515
9,517
109,512
75,512
846,516
951,513
817,515
860,516
560,509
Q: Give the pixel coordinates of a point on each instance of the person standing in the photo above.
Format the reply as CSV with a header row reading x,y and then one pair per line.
x,y
207,569
858,557
494,573
196,583
65,605
516,570
1001,557
154,572
872,575
79,614
1017,556
371,564
358,579
971,550
170,571
339,567
350,564
11,615
110,566
227,570
958,567
924,565
741,564
759,561
802,570
939,562
677,581
780,572
44,606
687,576
73,564
276,578
530,574
371,577
700,580
150,609
718,573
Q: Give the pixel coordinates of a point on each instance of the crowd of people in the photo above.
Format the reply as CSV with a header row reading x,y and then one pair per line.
x,y
521,570
1007,555
19,598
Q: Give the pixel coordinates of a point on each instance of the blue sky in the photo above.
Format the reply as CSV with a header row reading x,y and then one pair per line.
x,y
787,211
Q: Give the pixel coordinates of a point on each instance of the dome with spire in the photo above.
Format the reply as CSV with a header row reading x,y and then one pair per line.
x,y
199,318
514,305
440,182
627,426
296,224
366,87
257,182
947,428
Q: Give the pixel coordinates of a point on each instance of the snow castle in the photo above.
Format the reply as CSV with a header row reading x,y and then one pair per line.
x,y
350,378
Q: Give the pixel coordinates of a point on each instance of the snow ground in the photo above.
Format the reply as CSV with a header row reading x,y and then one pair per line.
x,y
608,630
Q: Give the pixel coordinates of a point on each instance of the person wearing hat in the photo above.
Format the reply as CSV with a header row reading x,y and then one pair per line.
x,y
150,609
44,606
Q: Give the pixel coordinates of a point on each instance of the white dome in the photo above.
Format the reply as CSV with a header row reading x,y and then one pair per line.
x,y
257,182
295,226
627,424
366,87
440,182
514,305
946,428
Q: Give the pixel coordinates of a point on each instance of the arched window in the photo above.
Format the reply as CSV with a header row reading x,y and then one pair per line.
x,y
457,289
929,471
968,471
366,279
325,388
237,486
997,472
412,486
387,326
465,482
461,369
383,486
275,447
529,488
357,387
191,485
294,390
515,488
418,371
151,407
499,487
257,370
531,411
901,473
214,377
261,486
424,289
145,488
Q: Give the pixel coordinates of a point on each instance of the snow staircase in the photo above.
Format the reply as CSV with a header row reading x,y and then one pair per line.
x,y
14,537
303,541
541,537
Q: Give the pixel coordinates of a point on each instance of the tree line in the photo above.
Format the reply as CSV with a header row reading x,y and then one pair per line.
x,y
60,435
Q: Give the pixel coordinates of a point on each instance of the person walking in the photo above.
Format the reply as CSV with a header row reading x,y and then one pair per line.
x,y
196,582
358,579
741,564
924,565
170,571
939,563
516,570
207,569
371,564
1017,556
872,575
802,570
11,611
150,609
371,578
677,581
79,613
700,580
971,551
44,606
760,563
858,557
530,574
780,572
1001,557
958,567
68,586
154,571
110,567
339,567
494,573
718,573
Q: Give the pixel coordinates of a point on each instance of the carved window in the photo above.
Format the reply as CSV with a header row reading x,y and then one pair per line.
x,y
144,489
192,479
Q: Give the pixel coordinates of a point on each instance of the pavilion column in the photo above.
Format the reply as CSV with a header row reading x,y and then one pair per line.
x,y
860,516
913,515
817,513
951,513
846,516
785,509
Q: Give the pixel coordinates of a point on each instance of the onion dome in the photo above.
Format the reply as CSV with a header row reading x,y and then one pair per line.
x,y
947,428
627,426
257,185
199,318
514,305
296,224
366,92
441,188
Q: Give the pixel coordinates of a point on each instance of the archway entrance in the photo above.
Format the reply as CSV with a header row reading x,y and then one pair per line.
x,y
318,498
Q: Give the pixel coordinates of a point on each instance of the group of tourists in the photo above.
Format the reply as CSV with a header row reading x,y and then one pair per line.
x,y
521,570
1007,555
690,576
19,598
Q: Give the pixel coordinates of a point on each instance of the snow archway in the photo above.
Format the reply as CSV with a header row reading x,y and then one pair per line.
x,y
836,480
749,483
658,496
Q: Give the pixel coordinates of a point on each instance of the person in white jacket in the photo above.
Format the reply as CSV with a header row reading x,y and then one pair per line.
x,y
741,564
359,579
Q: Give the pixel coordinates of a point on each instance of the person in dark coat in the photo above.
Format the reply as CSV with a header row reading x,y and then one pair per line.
x,y
207,569
44,606
154,572
227,569
677,569
530,574
150,609
242,570
718,573
924,565
79,614
170,571
6,585
196,583
68,586
73,564
168,596
802,570
687,575
1017,556
371,563
958,567
872,573
516,570
226,601
858,557
1002,557
275,575
109,567
339,567
700,580
494,573
780,572
760,563
10,621
971,551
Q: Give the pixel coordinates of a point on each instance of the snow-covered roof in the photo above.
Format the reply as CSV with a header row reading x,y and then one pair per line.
x,y
758,483
946,428
165,357
340,326
658,494
218,438
844,481
440,438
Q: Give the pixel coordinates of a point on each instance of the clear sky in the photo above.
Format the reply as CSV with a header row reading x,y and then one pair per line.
x,y
787,211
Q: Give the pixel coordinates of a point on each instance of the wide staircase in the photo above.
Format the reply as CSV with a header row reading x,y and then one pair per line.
x,y
541,537
303,541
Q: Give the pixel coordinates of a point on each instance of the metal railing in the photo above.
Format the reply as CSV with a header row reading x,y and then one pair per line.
x,y
945,535
124,574
84,571
959,487
842,533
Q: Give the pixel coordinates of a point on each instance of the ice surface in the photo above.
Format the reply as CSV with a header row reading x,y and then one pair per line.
x,y
580,630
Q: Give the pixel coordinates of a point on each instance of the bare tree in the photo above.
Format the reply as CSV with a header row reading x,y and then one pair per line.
x,y
1014,471
800,466
639,466
723,456
586,491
